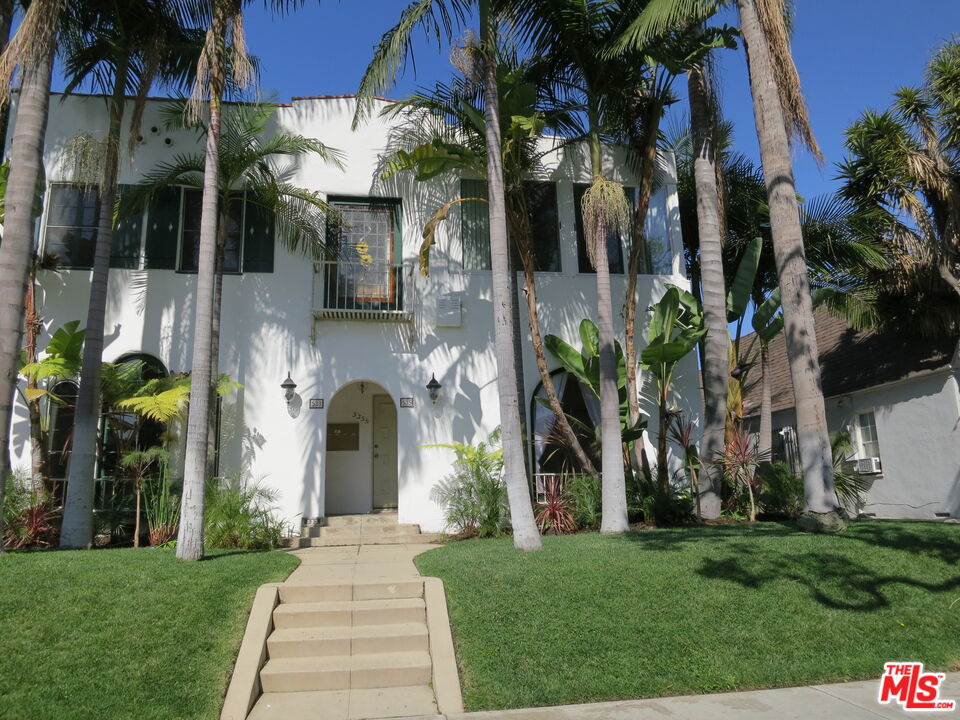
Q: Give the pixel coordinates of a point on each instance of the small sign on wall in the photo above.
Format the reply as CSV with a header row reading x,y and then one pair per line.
x,y
343,436
408,402
316,403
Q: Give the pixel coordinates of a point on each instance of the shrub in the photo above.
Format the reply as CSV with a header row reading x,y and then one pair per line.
x,y
473,496
240,516
29,515
553,513
162,509
781,492
586,500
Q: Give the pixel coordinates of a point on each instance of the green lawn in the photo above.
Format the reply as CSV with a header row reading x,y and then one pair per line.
x,y
124,633
697,610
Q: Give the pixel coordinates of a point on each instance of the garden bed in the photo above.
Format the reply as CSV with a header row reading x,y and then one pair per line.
x,y
124,633
697,610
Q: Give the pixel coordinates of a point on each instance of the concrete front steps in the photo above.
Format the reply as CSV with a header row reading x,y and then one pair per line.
x,y
381,528
357,650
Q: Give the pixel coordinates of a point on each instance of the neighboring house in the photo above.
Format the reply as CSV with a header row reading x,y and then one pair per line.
x,y
899,399
361,340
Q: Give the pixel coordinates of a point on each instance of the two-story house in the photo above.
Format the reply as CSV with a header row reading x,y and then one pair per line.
x,y
360,339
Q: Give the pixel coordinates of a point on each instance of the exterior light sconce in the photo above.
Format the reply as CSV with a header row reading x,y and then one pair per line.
x,y
433,387
289,386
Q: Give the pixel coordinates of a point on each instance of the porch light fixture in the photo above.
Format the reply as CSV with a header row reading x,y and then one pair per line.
x,y
288,386
433,387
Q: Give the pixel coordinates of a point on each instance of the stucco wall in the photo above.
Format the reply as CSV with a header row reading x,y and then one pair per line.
x,y
268,328
918,428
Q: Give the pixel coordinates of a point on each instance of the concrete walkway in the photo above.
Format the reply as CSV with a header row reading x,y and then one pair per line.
x,y
844,701
350,637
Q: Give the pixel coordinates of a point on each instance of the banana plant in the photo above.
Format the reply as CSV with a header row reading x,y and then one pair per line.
x,y
676,326
584,365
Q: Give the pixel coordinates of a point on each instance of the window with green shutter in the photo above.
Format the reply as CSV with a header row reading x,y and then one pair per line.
x,y
190,240
127,235
163,229
541,200
258,239
474,226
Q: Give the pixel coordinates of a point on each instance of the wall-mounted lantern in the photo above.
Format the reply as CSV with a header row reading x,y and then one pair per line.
x,y
433,387
289,386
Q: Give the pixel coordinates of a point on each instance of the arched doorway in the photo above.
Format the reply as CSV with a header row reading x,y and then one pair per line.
x,y
361,456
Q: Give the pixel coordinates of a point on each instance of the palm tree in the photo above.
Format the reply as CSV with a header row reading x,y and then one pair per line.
x,y
457,141
441,18
780,114
903,165
32,49
121,47
569,33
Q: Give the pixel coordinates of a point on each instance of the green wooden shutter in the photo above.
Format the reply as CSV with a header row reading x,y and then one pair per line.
x,y
125,250
475,226
163,228
544,224
258,240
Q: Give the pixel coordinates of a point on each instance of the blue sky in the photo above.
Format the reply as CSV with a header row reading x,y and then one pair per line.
x,y
852,54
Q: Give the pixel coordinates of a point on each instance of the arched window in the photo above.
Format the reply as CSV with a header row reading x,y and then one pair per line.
x,y
551,453
61,428
122,431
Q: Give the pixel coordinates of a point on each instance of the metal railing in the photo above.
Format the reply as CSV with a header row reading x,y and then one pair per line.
x,y
356,290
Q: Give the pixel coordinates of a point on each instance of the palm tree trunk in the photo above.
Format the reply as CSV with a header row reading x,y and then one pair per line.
x,y
190,536
32,326
613,485
26,160
765,446
518,223
638,262
713,288
802,353
222,221
7,9
77,528
525,534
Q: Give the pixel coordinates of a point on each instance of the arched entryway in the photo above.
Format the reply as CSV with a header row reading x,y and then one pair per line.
x,y
361,455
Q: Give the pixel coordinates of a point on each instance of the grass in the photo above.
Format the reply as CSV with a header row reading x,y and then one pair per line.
x,y
697,610
124,633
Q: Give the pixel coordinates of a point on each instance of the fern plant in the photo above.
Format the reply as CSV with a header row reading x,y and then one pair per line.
x,y
473,496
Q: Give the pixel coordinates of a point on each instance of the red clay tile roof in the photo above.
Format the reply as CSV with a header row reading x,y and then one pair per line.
x,y
849,360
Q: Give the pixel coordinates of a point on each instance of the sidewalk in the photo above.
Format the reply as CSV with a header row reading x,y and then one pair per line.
x,y
843,701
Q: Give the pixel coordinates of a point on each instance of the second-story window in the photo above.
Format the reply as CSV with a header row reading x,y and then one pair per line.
x,y
190,237
72,219
544,226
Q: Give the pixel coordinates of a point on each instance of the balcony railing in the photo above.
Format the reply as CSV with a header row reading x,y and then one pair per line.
x,y
362,291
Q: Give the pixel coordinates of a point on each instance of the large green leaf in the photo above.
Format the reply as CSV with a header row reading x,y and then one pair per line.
x,y
570,358
765,312
739,295
664,316
67,341
664,353
590,337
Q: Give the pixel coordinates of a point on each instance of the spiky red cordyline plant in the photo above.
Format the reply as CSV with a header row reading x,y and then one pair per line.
x,y
739,462
554,516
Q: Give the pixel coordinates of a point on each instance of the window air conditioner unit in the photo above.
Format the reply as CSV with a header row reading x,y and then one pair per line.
x,y
868,466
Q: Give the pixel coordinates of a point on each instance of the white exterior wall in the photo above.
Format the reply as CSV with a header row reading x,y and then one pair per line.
x,y
267,327
918,429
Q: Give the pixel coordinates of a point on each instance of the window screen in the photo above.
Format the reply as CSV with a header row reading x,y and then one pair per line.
x,y
869,442
72,224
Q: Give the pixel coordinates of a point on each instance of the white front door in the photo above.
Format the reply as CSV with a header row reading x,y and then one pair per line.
x,y
384,452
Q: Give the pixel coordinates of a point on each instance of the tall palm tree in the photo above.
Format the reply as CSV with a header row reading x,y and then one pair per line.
x,y
780,114
457,142
570,33
32,49
442,18
120,47
225,33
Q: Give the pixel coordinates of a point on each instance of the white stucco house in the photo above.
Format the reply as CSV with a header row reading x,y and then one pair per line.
x,y
899,398
360,341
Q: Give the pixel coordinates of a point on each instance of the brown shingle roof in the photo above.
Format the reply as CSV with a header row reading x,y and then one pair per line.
x,y
849,360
